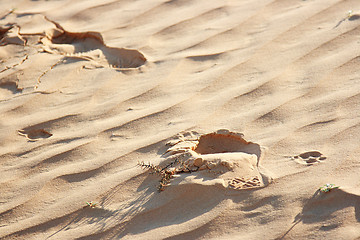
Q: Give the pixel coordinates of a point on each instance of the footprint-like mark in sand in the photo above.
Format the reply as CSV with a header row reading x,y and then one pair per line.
x,y
309,158
90,46
222,157
34,134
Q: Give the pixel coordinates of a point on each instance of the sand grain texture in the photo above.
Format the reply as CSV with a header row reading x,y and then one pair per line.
x,y
89,89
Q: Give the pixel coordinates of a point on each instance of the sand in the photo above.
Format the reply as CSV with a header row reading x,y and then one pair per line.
x,y
237,111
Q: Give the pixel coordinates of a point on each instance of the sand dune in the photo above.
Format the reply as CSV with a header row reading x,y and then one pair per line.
x,y
240,109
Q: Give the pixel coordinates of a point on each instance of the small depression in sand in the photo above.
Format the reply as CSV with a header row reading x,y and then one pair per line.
x,y
34,134
221,158
309,158
90,46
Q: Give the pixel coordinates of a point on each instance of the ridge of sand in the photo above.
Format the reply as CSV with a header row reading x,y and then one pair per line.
x,y
88,89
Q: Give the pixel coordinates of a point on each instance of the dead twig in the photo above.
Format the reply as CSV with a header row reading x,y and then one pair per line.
x,y
166,174
52,66
16,64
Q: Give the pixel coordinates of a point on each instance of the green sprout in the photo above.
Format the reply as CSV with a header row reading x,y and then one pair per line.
x,y
349,15
91,204
328,187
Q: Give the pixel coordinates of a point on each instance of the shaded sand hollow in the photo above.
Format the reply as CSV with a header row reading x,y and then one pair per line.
x,y
238,111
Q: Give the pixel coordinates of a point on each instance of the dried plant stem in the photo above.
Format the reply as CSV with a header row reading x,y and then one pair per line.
x,y
176,166
166,174
16,64
52,66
